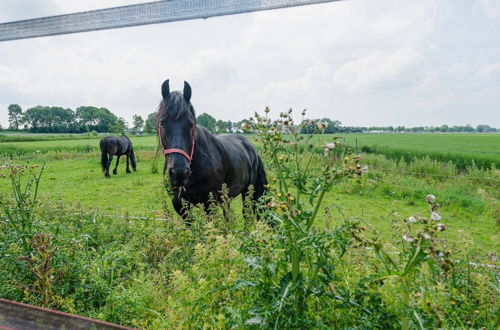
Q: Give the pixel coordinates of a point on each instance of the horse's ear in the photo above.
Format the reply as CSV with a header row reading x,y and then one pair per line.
x,y
165,89
187,91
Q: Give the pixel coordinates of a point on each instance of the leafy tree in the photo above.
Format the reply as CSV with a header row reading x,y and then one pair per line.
x,y
138,124
43,119
15,116
224,126
150,125
95,119
119,127
484,128
207,121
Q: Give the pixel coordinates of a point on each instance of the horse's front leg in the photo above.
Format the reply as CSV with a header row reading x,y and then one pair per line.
x,y
110,160
128,161
116,166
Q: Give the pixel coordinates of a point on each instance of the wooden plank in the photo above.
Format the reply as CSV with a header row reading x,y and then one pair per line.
x,y
16,315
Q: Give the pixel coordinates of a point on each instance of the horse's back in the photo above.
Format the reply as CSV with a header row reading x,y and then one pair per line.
x,y
242,160
116,145
238,146
110,144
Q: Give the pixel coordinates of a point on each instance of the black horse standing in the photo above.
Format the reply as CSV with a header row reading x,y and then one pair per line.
x,y
199,163
119,146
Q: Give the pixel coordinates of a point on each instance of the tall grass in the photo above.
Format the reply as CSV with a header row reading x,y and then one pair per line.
x,y
462,161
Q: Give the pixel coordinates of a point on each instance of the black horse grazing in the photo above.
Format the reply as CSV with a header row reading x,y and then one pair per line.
x,y
118,146
198,162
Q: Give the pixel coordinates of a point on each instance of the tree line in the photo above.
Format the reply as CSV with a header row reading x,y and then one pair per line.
x,y
53,119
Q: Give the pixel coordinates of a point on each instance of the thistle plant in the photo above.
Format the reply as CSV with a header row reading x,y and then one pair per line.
x,y
19,209
306,168
421,247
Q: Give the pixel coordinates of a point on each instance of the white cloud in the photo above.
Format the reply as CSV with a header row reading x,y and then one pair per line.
x,y
362,62
377,69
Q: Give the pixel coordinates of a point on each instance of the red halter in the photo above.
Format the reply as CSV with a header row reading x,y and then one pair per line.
x,y
176,150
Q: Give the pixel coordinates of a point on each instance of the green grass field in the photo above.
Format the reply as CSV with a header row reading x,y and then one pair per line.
x,y
461,149
73,175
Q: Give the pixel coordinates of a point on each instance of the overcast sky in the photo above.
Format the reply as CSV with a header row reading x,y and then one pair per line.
x,y
378,62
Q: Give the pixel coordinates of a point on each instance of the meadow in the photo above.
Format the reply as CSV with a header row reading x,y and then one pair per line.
x,y
359,262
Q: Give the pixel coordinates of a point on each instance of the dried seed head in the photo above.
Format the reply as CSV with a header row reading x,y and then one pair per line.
x,y
435,216
408,238
430,198
440,227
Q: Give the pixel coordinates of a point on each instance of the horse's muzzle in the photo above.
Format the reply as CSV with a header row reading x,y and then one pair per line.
x,y
179,177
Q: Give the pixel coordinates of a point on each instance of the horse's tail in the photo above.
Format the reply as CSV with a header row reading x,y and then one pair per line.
x,y
132,158
104,160
104,156
260,184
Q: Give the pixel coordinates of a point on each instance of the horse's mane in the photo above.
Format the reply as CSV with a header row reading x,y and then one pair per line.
x,y
175,107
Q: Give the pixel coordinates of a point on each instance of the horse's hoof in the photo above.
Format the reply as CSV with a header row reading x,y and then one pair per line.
x,y
114,172
129,172
107,176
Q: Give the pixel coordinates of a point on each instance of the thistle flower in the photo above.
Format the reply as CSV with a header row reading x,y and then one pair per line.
x,y
440,227
408,238
329,147
430,198
412,219
245,127
266,110
304,112
435,216
321,125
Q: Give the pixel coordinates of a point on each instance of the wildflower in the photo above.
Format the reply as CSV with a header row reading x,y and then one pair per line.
x,y
412,219
435,216
426,236
364,168
430,198
408,238
281,157
330,146
440,227
304,112
245,127
38,151
279,195
291,199
321,125
267,110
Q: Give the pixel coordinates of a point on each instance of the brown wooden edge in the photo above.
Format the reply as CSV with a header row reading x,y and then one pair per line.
x,y
52,311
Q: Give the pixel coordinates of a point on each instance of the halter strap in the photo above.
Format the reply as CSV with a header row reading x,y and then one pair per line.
x,y
177,150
